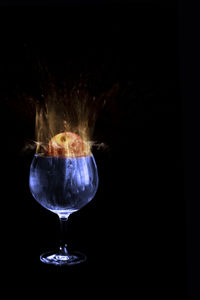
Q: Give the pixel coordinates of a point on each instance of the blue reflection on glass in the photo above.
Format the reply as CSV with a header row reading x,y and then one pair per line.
x,y
63,185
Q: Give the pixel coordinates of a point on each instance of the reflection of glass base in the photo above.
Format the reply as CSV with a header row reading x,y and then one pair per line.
x,y
62,260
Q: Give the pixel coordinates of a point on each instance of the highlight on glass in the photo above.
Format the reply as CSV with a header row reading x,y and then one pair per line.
x,y
63,179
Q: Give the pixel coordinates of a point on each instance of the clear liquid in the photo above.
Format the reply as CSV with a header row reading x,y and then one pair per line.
x,y
63,185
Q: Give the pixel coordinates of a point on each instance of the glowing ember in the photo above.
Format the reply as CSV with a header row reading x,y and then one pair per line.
x,y
68,144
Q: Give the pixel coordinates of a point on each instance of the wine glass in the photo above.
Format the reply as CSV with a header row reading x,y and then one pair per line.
x,y
63,185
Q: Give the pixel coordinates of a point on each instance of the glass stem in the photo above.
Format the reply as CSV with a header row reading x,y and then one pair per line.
x,y
63,234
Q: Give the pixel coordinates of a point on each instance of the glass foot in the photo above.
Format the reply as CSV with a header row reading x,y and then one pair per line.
x,y
62,260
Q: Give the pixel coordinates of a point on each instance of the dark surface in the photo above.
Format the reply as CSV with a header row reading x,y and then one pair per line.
x,y
133,230
190,93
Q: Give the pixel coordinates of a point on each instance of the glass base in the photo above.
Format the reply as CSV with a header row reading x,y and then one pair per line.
x,y
59,259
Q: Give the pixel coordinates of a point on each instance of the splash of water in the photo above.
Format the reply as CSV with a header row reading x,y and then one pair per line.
x,y
66,110
62,113
70,108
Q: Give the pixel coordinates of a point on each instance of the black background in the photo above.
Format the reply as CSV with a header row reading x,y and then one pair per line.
x,y
133,231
